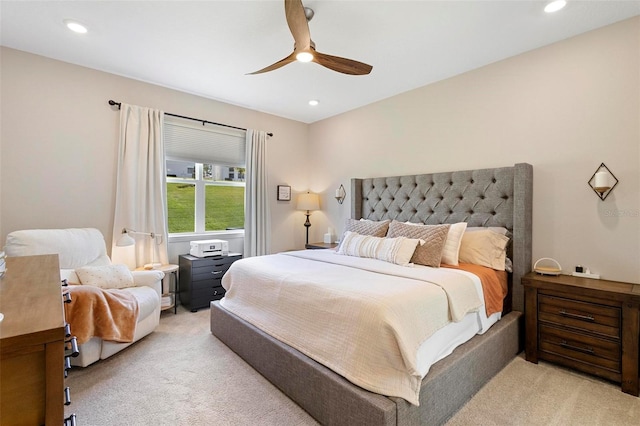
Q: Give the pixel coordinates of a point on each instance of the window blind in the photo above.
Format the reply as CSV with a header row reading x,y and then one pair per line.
x,y
204,145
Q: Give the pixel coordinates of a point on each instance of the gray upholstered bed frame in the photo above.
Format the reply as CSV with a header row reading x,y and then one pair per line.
x,y
487,197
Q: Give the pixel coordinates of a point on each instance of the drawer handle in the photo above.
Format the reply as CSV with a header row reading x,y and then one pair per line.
x,y
67,366
577,316
217,272
70,421
67,297
67,396
587,350
73,347
65,283
67,330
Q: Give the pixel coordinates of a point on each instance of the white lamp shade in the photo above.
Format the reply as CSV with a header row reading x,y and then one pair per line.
x,y
125,240
308,202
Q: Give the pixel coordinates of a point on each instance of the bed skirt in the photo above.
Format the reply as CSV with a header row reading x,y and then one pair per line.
x,y
333,400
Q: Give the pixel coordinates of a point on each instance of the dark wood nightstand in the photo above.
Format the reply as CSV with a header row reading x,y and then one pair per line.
x,y
320,245
587,324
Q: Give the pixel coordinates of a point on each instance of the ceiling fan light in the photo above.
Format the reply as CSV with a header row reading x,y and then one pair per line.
x,y
555,6
304,57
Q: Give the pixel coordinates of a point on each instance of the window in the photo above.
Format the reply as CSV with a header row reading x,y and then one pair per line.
x,y
205,171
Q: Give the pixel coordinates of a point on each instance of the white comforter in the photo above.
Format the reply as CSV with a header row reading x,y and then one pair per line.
x,y
363,318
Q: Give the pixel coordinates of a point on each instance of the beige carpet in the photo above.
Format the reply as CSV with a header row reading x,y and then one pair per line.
x,y
182,375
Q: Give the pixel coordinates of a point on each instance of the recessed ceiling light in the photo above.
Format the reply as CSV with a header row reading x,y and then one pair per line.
x,y
313,102
555,6
75,26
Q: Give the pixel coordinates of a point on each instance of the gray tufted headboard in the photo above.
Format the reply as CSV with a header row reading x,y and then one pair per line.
x,y
487,197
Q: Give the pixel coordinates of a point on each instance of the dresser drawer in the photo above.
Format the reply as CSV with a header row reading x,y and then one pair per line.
x,y
210,272
600,319
210,290
202,298
208,283
580,347
213,262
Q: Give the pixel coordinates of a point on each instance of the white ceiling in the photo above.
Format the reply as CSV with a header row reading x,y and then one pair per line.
x,y
207,47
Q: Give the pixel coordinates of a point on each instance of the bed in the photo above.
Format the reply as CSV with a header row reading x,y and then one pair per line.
x,y
499,197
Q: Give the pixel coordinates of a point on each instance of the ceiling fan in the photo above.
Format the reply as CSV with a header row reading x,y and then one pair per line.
x,y
304,49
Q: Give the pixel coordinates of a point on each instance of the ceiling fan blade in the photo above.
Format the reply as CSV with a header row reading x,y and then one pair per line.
x,y
298,25
343,65
280,63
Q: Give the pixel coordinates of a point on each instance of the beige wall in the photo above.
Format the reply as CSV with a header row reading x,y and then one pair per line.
x,y
564,108
59,141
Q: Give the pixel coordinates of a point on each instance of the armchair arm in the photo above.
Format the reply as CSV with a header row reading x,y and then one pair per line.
x,y
149,278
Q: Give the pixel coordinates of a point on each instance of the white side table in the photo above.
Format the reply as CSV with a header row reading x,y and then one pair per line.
x,y
171,271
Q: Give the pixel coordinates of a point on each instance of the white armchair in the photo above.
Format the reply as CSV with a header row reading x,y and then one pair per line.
x,y
78,247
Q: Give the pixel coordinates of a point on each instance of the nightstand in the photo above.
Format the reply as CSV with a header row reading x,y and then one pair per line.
x,y
314,246
586,324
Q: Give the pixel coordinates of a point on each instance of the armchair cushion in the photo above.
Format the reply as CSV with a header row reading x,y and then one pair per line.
x,y
105,276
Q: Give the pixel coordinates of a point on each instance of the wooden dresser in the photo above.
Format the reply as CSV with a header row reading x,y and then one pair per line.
x,y
32,342
586,324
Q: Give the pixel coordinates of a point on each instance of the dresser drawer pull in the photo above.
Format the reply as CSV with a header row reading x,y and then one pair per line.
x,y
73,347
577,316
67,297
70,421
65,283
67,366
217,272
565,345
67,396
67,330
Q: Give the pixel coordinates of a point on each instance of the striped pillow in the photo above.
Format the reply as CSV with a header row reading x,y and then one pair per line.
x,y
395,250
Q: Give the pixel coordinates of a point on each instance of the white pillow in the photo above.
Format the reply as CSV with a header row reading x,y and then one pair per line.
x,y
452,245
395,250
107,276
485,248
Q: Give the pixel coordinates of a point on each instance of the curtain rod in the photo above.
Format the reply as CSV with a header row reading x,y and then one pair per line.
x,y
112,103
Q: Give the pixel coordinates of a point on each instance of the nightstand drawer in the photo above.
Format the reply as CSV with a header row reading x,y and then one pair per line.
x,y
592,317
580,347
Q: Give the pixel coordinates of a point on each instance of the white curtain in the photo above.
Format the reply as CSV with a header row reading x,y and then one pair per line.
x,y
257,223
140,188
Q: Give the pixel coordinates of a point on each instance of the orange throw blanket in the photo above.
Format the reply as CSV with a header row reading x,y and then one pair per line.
x,y
494,285
106,313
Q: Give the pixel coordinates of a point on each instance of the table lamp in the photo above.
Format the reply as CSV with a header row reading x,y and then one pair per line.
x,y
308,202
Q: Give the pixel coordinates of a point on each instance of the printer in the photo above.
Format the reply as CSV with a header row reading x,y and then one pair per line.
x,y
206,248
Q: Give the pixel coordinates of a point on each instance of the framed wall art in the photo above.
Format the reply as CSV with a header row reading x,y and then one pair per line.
x,y
284,193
